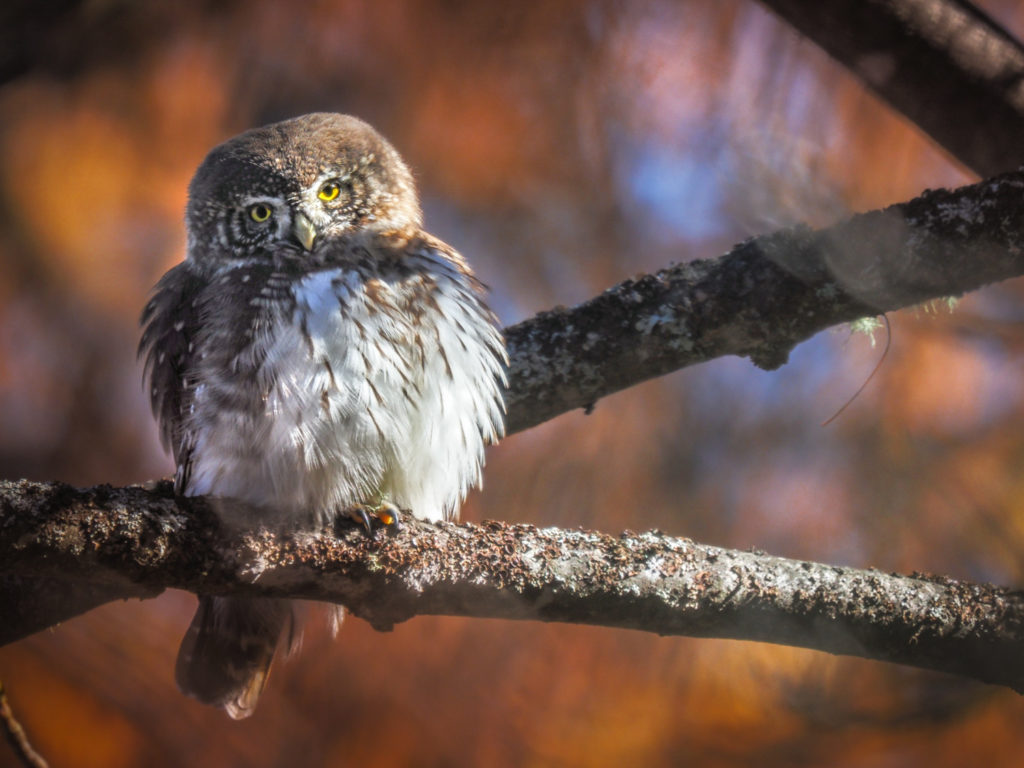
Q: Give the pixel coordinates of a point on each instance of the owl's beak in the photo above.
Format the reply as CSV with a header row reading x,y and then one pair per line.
x,y
304,231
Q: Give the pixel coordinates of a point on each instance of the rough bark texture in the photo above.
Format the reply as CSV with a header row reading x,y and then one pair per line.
x,y
127,539
765,296
942,63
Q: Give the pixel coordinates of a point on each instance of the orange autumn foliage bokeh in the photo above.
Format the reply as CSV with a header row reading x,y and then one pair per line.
x,y
562,147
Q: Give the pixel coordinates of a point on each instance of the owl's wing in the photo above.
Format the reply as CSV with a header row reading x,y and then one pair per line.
x,y
169,326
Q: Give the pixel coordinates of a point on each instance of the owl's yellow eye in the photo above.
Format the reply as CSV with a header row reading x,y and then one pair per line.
x,y
329,191
259,212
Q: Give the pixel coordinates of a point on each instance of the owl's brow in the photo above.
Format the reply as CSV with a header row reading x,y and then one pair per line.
x,y
274,200
333,172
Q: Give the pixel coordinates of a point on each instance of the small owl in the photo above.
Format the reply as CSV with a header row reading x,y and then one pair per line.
x,y
316,353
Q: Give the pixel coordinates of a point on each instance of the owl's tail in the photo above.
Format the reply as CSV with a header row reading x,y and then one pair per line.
x,y
226,654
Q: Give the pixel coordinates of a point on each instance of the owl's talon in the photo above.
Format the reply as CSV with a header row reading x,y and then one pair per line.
x,y
387,513
361,516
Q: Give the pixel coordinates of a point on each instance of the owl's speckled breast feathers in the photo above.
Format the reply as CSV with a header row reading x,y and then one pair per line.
x,y
316,351
313,387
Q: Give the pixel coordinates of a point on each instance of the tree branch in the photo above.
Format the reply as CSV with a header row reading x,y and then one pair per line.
x,y
65,551
765,296
126,537
930,60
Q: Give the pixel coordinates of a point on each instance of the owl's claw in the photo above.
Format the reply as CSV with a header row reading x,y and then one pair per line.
x,y
386,512
362,517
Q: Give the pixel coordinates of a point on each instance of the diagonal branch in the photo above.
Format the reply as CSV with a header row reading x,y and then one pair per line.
x,y
126,537
765,296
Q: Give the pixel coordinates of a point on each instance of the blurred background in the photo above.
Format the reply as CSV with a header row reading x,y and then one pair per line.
x,y
562,147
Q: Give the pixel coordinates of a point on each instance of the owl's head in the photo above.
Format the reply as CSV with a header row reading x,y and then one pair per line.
x,y
288,188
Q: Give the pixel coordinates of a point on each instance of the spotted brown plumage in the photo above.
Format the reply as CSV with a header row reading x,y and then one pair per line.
x,y
315,352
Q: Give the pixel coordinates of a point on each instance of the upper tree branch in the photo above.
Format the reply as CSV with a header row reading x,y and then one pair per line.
x,y
942,63
133,539
765,296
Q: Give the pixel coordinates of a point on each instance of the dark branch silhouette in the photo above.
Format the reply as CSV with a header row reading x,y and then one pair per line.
x,y
930,60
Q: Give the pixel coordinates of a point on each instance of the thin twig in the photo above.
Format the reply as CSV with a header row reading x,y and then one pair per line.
x,y
16,735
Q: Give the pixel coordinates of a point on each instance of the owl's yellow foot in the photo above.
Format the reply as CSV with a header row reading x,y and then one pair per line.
x,y
387,513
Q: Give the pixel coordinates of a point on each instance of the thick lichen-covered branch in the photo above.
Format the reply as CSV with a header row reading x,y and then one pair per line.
x,y
134,539
765,296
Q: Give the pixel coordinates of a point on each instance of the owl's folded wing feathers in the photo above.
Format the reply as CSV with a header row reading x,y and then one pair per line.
x,y
170,321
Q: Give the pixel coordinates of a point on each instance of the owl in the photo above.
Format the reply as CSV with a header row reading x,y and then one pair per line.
x,y
316,354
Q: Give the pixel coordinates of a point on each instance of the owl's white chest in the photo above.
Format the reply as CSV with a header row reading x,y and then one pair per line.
x,y
355,388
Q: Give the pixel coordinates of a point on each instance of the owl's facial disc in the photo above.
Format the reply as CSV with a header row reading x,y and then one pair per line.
x,y
288,189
